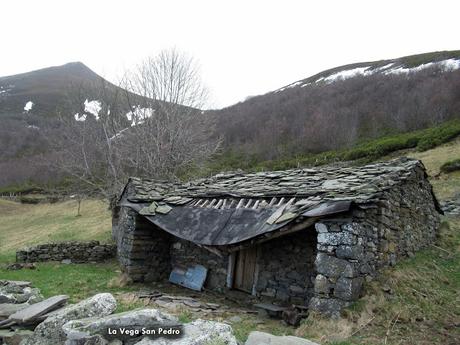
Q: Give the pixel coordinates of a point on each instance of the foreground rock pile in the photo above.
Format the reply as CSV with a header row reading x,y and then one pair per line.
x,y
28,319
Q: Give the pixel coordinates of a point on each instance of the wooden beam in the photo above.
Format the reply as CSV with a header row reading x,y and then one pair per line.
x,y
288,229
240,203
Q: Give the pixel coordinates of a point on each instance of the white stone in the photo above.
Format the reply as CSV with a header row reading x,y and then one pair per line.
x,y
262,338
198,332
50,331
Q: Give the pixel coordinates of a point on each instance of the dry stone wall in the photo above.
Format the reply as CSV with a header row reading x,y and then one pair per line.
x,y
77,252
186,254
353,249
286,267
143,250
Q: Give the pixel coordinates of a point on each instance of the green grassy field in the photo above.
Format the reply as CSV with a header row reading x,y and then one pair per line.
x,y
421,308
22,225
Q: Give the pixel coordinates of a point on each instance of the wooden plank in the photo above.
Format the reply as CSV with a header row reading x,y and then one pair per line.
x,y
219,203
272,202
240,203
36,310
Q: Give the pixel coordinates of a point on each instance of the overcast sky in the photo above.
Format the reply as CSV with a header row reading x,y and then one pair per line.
x,y
244,47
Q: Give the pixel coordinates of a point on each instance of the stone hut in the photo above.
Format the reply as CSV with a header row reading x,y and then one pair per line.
x,y
303,236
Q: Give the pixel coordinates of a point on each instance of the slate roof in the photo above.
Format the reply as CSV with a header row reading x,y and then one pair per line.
x,y
358,184
234,207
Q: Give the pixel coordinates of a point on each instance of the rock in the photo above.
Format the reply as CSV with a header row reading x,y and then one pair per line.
x,y
19,283
85,329
349,252
50,331
198,332
34,311
19,266
321,228
333,267
7,309
7,298
262,338
66,261
235,319
348,289
322,285
14,337
336,238
328,306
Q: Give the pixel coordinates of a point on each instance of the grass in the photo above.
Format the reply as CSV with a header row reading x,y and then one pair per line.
x,y
421,309
445,186
23,225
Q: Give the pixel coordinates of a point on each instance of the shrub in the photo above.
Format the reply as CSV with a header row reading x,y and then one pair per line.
x,y
451,166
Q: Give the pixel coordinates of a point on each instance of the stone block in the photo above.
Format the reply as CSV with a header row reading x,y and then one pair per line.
x,y
337,238
328,306
322,285
348,289
349,252
330,266
321,228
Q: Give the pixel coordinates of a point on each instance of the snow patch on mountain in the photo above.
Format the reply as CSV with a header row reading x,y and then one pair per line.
x,y
28,106
138,115
79,117
93,107
445,65
390,68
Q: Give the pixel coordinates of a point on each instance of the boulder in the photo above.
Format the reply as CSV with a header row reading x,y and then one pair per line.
x,y
80,331
262,338
328,306
332,267
198,332
348,289
14,337
50,331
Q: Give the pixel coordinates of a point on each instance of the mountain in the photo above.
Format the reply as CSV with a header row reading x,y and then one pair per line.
x,y
43,91
331,110
341,106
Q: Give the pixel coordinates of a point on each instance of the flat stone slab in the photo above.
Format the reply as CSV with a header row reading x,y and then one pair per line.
x,y
270,307
7,309
38,309
262,338
15,282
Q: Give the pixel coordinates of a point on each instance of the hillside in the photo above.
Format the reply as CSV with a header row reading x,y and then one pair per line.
x,y
343,106
334,110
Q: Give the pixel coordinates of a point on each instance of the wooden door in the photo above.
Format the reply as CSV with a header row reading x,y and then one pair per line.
x,y
245,266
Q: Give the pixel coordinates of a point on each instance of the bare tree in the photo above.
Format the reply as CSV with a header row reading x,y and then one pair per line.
x,y
169,131
154,128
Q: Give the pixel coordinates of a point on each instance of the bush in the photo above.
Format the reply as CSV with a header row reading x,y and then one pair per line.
x,y
451,166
